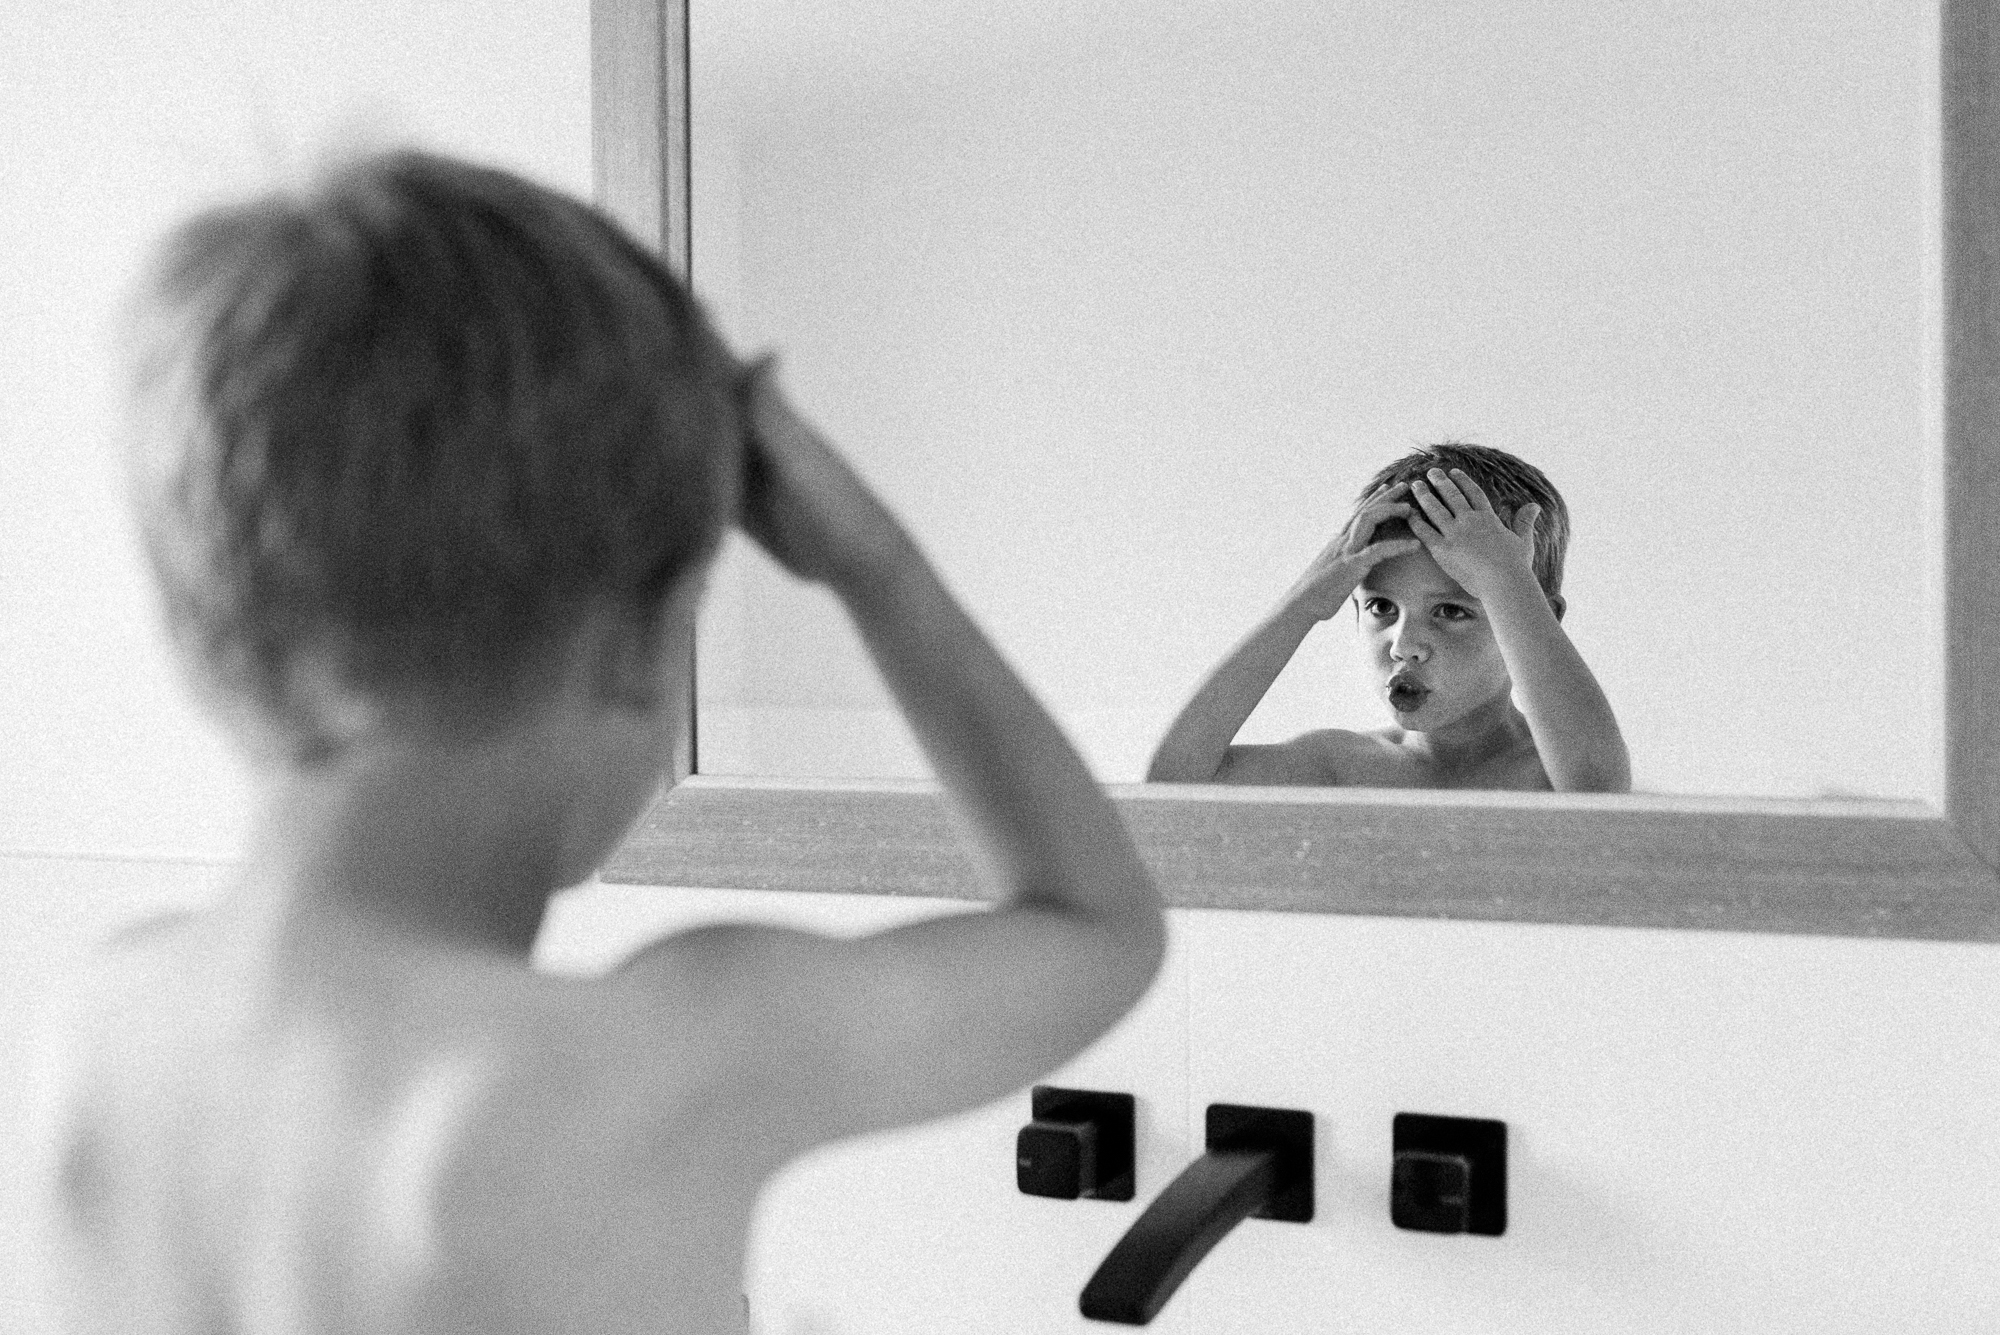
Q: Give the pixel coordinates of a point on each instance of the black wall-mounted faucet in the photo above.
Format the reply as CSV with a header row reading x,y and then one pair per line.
x,y
1259,1164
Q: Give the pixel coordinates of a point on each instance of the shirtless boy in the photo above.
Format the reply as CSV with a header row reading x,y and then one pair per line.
x,y
430,463
1453,559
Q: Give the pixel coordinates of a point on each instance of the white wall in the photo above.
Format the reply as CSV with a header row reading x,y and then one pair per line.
x,y
1121,303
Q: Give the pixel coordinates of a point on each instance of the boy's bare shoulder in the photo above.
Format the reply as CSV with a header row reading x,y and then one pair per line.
x,y
762,997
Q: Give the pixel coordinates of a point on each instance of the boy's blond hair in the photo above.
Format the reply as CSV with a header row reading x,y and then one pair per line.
x,y
1509,483
413,424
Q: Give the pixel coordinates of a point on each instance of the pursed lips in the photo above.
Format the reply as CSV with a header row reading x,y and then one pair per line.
x,y
1406,693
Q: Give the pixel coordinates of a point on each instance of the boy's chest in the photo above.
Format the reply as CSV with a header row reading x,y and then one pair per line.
x,y
1383,763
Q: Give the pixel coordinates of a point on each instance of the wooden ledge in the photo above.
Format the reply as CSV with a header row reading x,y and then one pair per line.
x,y
1833,868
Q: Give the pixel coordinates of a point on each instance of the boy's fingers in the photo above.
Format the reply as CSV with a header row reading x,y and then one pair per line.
x,y
756,509
1474,493
1434,509
1379,496
1525,517
1448,491
755,383
1361,531
1377,552
1424,532
755,370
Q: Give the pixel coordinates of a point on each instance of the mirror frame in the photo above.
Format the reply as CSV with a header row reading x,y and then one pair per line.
x,y
1844,868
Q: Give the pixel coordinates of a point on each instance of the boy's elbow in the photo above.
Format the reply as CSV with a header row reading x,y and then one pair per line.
x,y
1136,936
1148,945
1618,771
1137,950
1609,773
1173,765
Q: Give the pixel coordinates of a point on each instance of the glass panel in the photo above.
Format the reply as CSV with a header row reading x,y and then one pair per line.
x,y
1120,306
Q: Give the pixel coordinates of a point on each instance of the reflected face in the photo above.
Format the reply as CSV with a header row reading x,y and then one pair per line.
x,y
1430,644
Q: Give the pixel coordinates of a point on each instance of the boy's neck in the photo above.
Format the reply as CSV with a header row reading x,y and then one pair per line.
x,y
457,849
1494,730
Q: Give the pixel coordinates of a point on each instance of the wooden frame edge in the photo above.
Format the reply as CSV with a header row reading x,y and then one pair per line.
x,y
641,120
1893,870
1970,97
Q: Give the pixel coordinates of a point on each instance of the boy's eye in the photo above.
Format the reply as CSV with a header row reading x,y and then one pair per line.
x,y
1379,607
1452,612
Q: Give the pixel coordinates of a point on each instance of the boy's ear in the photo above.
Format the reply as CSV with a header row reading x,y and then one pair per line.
x,y
639,667
337,712
319,719
629,662
1559,603
627,676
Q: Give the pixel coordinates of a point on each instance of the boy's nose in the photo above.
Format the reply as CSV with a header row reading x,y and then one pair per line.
x,y
1408,647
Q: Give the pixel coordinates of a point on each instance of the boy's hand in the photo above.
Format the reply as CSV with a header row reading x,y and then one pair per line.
x,y
801,501
1324,587
1465,536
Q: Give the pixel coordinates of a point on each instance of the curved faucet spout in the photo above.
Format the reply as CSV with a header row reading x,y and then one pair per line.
x,y
1211,1196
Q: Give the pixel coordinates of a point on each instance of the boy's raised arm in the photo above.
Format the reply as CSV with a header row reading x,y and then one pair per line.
x,y
1197,747
945,1014
1576,734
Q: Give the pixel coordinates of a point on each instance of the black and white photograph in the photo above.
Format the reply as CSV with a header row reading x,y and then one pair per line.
x,y
755,667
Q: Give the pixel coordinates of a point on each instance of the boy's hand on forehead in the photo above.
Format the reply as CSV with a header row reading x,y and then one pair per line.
x,y
1339,567
802,502
1466,536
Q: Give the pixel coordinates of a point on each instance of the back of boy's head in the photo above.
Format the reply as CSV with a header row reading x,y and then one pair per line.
x,y
409,428
1509,483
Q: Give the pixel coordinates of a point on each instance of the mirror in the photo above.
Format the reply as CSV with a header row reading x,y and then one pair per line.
x,y
1853,867
1120,305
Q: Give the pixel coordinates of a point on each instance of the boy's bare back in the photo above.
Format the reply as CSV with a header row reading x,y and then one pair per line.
x,y
388,1140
